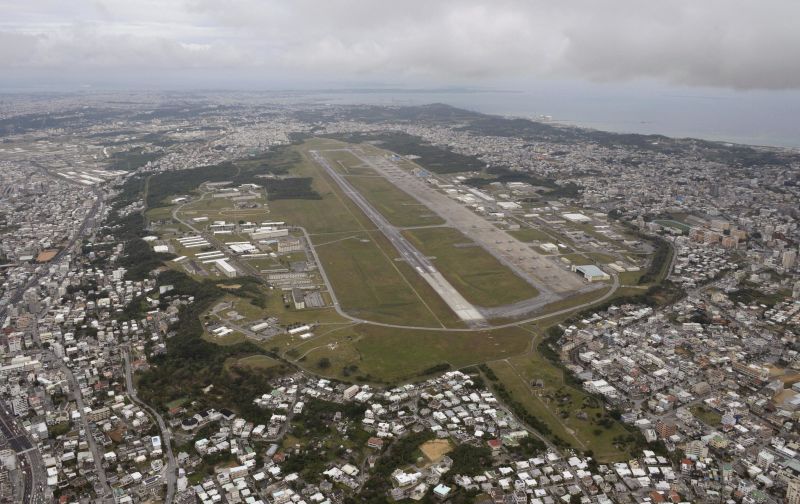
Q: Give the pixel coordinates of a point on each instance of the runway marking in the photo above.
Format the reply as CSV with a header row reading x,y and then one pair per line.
x,y
462,308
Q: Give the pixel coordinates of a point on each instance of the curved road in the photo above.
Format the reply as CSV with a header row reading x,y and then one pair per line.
x,y
166,439
342,313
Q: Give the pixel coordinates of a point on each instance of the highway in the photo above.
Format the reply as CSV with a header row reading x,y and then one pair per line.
x,y
30,460
408,252
166,439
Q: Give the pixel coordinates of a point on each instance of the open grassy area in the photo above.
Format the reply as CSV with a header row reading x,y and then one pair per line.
x,y
346,163
369,285
161,213
398,207
680,226
530,234
474,272
569,412
332,213
243,308
229,339
257,361
384,354
177,403
706,415
630,277
359,263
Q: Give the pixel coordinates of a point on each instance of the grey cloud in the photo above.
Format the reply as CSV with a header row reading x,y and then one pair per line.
x,y
734,43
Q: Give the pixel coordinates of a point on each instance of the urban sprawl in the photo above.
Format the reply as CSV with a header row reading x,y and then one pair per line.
x,y
685,253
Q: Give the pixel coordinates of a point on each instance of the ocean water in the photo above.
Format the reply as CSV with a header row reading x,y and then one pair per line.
x,y
748,117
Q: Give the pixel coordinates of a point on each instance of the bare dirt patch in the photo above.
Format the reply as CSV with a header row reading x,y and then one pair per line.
x,y
435,449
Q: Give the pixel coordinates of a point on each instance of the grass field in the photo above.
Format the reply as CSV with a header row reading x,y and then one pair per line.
x,y
601,257
161,213
243,307
359,262
530,234
707,416
230,339
399,208
435,449
680,226
257,361
630,277
331,214
369,285
346,163
475,273
384,354
558,405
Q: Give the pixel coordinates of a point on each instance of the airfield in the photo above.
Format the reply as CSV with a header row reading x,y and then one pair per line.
x,y
485,295
385,246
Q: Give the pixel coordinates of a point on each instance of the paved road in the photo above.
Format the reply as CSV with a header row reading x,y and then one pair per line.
x,y
75,390
88,222
35,490
30,460
166,435
344,314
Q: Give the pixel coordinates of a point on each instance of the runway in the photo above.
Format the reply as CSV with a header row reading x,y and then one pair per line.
x,y
463,308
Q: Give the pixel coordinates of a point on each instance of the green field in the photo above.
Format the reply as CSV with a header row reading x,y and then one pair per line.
x,y
161,213
395,355
359,262
346,163
369,284
530,234
331,214
706,415
257,361
680,226
630,277
558,404
475,273
399,208
243,307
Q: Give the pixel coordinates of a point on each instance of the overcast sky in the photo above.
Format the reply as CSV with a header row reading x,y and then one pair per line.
x,y
728,44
